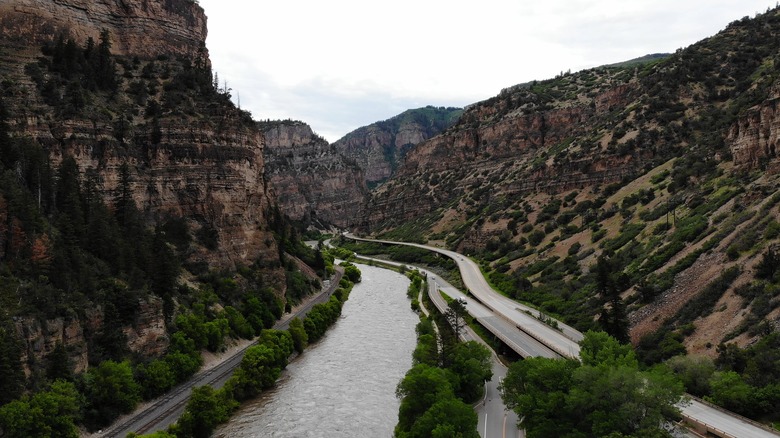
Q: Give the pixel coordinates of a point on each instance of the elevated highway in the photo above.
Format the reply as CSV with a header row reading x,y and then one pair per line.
x,y
706,419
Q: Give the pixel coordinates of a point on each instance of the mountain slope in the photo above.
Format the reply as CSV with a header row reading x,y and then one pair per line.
x,y
380,147
543,180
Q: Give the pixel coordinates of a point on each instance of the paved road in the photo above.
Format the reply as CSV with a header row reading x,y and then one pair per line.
x,y
564,342
723,423
166,409
494,419
719,422
518,340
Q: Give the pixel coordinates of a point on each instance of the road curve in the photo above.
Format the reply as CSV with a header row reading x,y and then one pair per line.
x,y
715,420
564,342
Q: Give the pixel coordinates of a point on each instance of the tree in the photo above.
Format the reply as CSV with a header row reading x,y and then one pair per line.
x,y
59,363
299,337
351,272
538,387
205,409
155,378
11,375
421,388
730,391
456,316
446,418
768,265
605,394
49,413
613,318
472,364
111,391
694,371
427,350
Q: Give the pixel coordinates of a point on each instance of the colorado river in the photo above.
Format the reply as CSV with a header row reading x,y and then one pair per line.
x,y
343,386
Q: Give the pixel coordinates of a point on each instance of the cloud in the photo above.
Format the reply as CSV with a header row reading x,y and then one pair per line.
x,y
343,64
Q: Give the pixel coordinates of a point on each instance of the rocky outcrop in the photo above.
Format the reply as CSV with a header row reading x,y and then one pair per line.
x,y
40,338
146,336
380,147
207,167
507,140
144,28
755,137
312,180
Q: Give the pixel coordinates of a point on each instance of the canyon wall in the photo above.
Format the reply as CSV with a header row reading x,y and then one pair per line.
x,y
144,28
379,148
197,158
314,183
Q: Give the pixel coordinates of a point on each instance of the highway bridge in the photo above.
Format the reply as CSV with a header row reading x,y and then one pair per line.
x,y
704,418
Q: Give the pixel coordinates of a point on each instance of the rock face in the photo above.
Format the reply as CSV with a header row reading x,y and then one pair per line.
x,y
207,167
312,180
380,147
199,158
502,138
212,176
144,28
147,335
754,138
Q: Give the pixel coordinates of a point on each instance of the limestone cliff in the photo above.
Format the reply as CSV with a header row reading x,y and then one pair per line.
x,y
753,139
189,152
144,28
380,147
313,182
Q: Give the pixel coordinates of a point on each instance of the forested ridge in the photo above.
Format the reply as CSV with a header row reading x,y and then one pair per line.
x,y
75,255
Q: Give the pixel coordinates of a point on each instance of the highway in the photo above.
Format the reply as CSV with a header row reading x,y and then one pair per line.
x,y
705,418
494,419
565,341
166,409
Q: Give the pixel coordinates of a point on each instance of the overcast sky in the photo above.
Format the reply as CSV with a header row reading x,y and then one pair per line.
x,y
342,64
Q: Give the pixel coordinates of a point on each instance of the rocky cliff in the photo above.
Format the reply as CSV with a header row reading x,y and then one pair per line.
x,y
204,163
497,141
753,139
154,114
314,183
144,28
380,147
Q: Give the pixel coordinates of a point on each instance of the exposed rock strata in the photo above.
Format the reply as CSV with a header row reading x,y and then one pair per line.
x,y
380,147
754,138
312,181
147,335
144,28
493,139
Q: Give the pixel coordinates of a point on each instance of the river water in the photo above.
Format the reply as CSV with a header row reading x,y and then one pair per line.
x,y
344,385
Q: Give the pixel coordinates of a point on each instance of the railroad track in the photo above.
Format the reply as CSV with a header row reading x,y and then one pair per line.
x,y
173,403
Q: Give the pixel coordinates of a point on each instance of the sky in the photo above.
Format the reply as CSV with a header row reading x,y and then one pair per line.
x,y
342,64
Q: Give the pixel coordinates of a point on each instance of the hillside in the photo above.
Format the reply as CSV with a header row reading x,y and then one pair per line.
x,y
380,147
137,225
640,198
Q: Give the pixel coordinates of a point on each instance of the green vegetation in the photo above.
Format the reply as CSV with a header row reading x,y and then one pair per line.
x,y
572,398
435,393
260,367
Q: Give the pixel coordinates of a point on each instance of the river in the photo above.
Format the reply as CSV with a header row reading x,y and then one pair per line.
x,y
344,385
